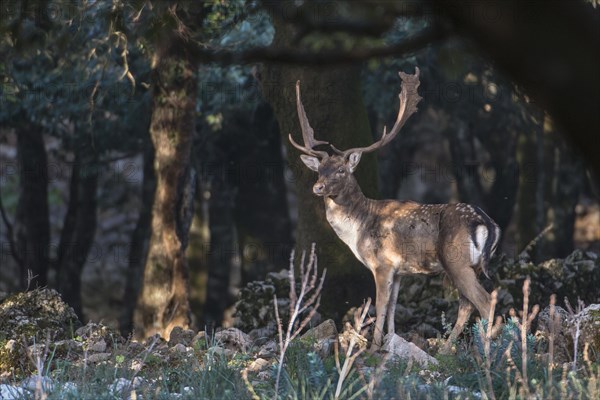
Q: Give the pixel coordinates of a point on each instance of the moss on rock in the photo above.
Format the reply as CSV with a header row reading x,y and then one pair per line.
x,y
28,318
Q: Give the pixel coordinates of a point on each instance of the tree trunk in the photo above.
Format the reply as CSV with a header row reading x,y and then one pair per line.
x,y
466,161
261,210
32,223
223,253
78,231
528,226
334,105
140,238
563,186
163,302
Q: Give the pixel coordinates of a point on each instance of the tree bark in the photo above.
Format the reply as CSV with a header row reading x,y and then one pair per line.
x,y
563,186
140,238
79,229
32,223
163,302
333,102
528,226
261,210
223,253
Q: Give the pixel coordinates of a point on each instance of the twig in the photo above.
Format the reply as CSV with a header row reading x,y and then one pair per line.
x,y
526,253
553,325
576,330
526,286
298,304
360,316
486,345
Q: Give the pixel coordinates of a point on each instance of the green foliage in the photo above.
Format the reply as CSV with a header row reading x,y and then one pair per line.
x,y
509,341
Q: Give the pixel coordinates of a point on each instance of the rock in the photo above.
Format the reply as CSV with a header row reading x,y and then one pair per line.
x,y
430,377
255,306
13,357
268,350
577,273
587,321
233,339
135,347
399,347
39,313
98,357
95,333
98,347
9,392
218,351
69,388
264,375
562,340
258,365
179,348
324,347
180,335
418,340
325,330
262,335
402,315
119,385
200,341
33,382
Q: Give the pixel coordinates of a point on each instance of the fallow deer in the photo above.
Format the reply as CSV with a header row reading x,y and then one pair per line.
x,y
395,238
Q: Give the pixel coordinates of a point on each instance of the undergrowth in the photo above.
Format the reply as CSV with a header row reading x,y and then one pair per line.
x,y
500,360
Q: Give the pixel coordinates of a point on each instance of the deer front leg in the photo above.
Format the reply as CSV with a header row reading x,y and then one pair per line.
x,y
384,279
391,312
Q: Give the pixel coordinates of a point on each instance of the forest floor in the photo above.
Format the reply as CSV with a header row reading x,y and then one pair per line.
x,y
44,356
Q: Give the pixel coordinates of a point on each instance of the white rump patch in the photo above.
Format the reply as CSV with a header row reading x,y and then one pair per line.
x,y
476,248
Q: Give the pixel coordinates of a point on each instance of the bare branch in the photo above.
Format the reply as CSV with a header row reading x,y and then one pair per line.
x,y
201,54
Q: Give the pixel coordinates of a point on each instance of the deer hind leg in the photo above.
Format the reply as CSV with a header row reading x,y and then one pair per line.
x,y
384,279
472,295
391,311
465,280
465,308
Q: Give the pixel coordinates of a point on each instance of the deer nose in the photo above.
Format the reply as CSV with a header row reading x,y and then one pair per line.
x,y
318,188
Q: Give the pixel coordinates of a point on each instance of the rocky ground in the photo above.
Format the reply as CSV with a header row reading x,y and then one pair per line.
x,y
46,353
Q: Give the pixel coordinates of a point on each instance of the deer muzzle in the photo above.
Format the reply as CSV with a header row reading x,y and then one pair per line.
x,y
319,188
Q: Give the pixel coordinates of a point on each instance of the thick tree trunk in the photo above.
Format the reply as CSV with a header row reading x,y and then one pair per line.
x,y
466,160
32,223
334,105
140,238
223,253
261,210
563,186
163,302
528,226
78,231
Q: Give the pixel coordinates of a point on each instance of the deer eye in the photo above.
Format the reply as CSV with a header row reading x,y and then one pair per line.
x,y
341,170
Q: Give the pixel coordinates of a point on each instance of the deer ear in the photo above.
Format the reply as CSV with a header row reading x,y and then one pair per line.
x,y
353,160
310,162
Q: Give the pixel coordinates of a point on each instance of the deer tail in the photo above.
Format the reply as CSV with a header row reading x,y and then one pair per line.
x,y
485,235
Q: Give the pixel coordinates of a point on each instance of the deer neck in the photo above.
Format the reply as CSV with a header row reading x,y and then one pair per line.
x,y
351,201
346,214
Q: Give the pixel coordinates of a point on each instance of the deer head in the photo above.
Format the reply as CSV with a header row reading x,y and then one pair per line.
x,y
335,171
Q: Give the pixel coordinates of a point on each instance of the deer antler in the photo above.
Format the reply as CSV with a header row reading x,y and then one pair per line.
x,y
308,134
409,98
